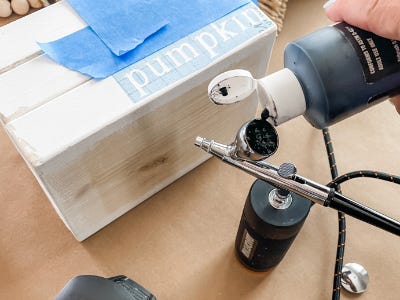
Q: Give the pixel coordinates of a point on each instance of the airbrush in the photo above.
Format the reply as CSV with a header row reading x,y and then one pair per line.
x,y
257,140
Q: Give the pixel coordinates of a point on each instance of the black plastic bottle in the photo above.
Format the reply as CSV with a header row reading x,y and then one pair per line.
x,y
270,222
332,74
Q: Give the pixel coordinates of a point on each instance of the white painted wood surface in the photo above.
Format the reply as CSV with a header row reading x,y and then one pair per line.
x,y
95,152
32,84
18,39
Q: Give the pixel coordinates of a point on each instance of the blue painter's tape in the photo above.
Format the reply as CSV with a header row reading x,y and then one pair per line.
x,y
84,51
121,26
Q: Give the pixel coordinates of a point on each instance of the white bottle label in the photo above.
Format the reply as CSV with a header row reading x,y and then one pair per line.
x,y
248,245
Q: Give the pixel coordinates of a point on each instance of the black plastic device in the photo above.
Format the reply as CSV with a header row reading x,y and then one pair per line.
x,y
265,233
91,287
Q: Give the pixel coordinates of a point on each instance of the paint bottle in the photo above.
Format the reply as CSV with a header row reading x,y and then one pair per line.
x,y
270,222
332,74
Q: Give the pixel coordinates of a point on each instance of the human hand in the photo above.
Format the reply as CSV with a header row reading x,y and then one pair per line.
x,y
396,102
381,17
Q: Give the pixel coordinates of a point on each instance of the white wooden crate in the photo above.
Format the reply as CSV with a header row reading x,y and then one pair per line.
x,y
100,147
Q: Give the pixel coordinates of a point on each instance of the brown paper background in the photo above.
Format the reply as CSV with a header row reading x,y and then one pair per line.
x,y
179,243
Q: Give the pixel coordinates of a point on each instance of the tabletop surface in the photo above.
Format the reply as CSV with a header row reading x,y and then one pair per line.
x,y
179,243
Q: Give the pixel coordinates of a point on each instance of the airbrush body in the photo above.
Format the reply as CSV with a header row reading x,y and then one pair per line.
x,y
285,177
279,201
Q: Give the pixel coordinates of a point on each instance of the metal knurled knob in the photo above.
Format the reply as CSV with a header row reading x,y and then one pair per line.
x,y
287,170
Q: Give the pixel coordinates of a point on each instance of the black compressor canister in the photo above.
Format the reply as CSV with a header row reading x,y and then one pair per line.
x,y
270,222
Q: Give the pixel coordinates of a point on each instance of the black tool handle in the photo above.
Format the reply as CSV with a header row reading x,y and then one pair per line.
x,y
364,213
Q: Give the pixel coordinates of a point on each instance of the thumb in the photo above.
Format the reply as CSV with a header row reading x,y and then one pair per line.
x,y
381,17
396,102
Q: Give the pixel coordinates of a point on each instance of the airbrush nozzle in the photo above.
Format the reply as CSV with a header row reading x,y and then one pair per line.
x,y
217,149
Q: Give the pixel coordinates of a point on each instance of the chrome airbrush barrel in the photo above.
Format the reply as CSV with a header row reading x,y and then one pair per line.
x,y
274,175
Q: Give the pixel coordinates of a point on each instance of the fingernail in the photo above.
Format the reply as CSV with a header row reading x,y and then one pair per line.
x,y
328,3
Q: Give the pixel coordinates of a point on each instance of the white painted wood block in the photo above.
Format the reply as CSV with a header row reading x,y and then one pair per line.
x,y
99,148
